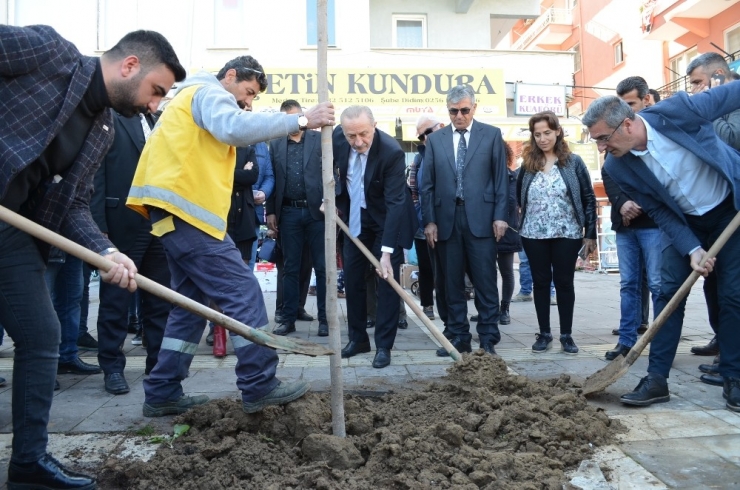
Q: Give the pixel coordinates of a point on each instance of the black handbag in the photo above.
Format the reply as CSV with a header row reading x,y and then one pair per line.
x,y
269,251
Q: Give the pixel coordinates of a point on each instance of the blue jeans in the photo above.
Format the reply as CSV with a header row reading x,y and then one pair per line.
x,y
27,314
298,229
64,280
206,269
253,257
525,276
636,248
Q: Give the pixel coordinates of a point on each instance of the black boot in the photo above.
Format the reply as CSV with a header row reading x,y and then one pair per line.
x,y
504,318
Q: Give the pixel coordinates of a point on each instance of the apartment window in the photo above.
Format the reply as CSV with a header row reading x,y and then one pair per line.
x,y
409,31
732,39
618,53
576,58
312,24
230,24
680,62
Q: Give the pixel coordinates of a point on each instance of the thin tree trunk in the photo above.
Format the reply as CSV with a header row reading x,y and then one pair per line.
x,y
330,238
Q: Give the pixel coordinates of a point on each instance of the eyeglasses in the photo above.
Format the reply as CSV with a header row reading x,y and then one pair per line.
x,y
605,139
453,111
427,132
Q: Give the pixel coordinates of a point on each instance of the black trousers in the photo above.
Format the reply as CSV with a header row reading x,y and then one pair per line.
x,y
149,257
304,280
464,251
355,267
426,272
553,260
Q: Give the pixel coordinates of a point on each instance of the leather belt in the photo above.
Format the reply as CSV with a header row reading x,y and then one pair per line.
x,y
459,202
301,203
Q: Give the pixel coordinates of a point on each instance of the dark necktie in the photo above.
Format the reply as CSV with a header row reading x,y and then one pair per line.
x,y
462,149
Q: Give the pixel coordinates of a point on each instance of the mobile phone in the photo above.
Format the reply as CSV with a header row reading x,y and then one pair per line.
x,y
719,77
582,253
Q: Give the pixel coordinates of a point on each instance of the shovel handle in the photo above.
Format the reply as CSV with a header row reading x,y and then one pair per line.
x,y
255,335
682,292
403,294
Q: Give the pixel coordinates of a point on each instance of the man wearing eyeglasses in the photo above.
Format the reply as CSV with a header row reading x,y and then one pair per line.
x,y
464,194
669,159
184,182
638,243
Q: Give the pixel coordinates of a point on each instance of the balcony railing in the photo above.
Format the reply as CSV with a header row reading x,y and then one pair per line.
x,y
551,16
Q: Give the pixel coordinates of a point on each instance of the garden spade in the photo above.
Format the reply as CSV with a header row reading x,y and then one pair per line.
x,y
257,336
619,366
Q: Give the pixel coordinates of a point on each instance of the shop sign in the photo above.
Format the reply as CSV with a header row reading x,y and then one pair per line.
x,y
531,99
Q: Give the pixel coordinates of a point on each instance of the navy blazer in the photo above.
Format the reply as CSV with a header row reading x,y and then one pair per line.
x,y
113,182
42,80
486,182
688,122
387,197
311,174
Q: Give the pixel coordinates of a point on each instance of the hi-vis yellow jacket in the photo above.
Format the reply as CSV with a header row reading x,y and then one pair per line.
x,y
185,171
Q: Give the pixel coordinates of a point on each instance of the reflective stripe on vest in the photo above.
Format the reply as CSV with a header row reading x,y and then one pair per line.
x,y
169,197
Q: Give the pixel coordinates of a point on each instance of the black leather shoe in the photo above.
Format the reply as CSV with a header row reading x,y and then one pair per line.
x,y
353,348
711,349
209,337
116,384
370,324
474,318
709,368
323,330
278,317
284,329
403,324
619,350
458,344
57,386
303,316
77,367
46,473
642,329
382,358
488,348
712,379
731,393
615,331
653,388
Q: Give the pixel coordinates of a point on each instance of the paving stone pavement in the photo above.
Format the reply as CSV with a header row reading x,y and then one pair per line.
x,y
691,442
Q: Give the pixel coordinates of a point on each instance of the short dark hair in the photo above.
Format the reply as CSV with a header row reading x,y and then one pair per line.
x,y
633,83
289,104
152,49
710,61
247,68
655,94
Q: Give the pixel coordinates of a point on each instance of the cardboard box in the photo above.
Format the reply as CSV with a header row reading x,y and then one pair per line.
x,y
406,270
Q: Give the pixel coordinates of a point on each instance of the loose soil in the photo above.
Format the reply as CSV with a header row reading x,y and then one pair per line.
x,y
478,427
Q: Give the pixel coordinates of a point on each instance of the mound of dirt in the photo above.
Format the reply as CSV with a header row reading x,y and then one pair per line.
x,y
479,427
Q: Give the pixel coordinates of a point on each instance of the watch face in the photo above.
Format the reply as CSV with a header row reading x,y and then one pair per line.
x,y
302,121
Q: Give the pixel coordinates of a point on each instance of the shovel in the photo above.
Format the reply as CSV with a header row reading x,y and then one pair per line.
x,y
257,336
403,294
619,366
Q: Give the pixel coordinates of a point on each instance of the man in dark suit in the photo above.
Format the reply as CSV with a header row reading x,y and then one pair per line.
x,y
131,233
293,210
377,207
671,161
52,139
464,193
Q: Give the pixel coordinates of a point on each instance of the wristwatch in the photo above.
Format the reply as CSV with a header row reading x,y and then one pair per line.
x,y
302,122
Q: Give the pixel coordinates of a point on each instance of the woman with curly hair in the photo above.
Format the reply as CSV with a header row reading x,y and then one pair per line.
x,y
558,218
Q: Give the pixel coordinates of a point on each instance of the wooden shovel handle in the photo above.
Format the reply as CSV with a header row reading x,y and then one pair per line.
x,y
255,335
403,294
